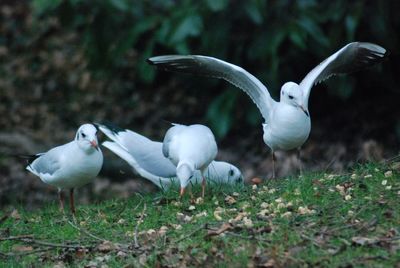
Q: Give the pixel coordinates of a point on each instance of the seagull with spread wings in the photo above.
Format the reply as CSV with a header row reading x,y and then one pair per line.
x,y
287,122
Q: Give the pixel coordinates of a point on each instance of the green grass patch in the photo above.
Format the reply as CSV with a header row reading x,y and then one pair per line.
x,y
313,220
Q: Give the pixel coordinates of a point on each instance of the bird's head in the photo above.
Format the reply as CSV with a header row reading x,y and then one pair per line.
x,y
292,94
184,172
86,137
235,175
224,172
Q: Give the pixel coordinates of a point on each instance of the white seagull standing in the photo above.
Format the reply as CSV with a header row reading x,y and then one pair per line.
x,y
146,158
190,148
287,122
70,165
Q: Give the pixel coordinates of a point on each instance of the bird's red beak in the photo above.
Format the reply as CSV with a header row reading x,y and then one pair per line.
x,y
182,191
94,144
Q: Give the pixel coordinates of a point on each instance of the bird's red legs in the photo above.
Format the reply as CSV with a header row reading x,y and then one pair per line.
x,y
203,186
71,201
273,164
61,198
300,162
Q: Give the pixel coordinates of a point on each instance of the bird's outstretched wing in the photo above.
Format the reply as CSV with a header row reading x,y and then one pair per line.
x,y
350,58
212,67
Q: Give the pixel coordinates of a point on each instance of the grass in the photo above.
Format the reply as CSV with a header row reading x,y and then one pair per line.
x,y
313,220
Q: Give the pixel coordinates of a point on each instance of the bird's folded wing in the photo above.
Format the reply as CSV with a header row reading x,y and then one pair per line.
x,y
350,58
212,67
47,163
169,137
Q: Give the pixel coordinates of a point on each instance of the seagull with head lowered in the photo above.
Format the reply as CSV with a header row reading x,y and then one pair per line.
x,y
146,158
71,165
287,122
190,148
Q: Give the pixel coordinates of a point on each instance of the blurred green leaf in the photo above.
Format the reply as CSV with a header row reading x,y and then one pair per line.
x,y
189,26
217,5
298,37
351,25
219,112
42,6
341,86
254,12
122,5
312,28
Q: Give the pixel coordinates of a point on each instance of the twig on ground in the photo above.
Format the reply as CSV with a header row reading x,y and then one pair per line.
x,y
86,232
16,254
203,226
4,217
137,226
19,237
118,214
312,240
30,240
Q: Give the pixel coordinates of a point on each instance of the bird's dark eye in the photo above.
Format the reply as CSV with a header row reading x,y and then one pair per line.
x,y
231,172
283,93
83,135
291,97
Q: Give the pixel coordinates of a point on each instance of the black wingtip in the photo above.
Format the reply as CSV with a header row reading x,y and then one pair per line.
x,y
96,125
167,121
149,61
112,127
29,158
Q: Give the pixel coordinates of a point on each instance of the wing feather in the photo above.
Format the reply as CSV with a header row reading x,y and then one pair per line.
x,y
350,58
212,67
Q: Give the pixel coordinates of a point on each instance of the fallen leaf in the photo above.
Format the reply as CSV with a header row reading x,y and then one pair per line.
x,y
388,174
15,215
91,264
59,264
121,254
223,228
21,248
106,246
247,222
362,241
230,200
217,215
80,253
163,230
265,229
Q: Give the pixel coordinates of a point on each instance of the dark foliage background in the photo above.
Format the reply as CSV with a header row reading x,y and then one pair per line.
x,y
66,62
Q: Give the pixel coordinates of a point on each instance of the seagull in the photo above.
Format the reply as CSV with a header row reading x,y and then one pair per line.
x,y
287,123
146,158
190,148
71,165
